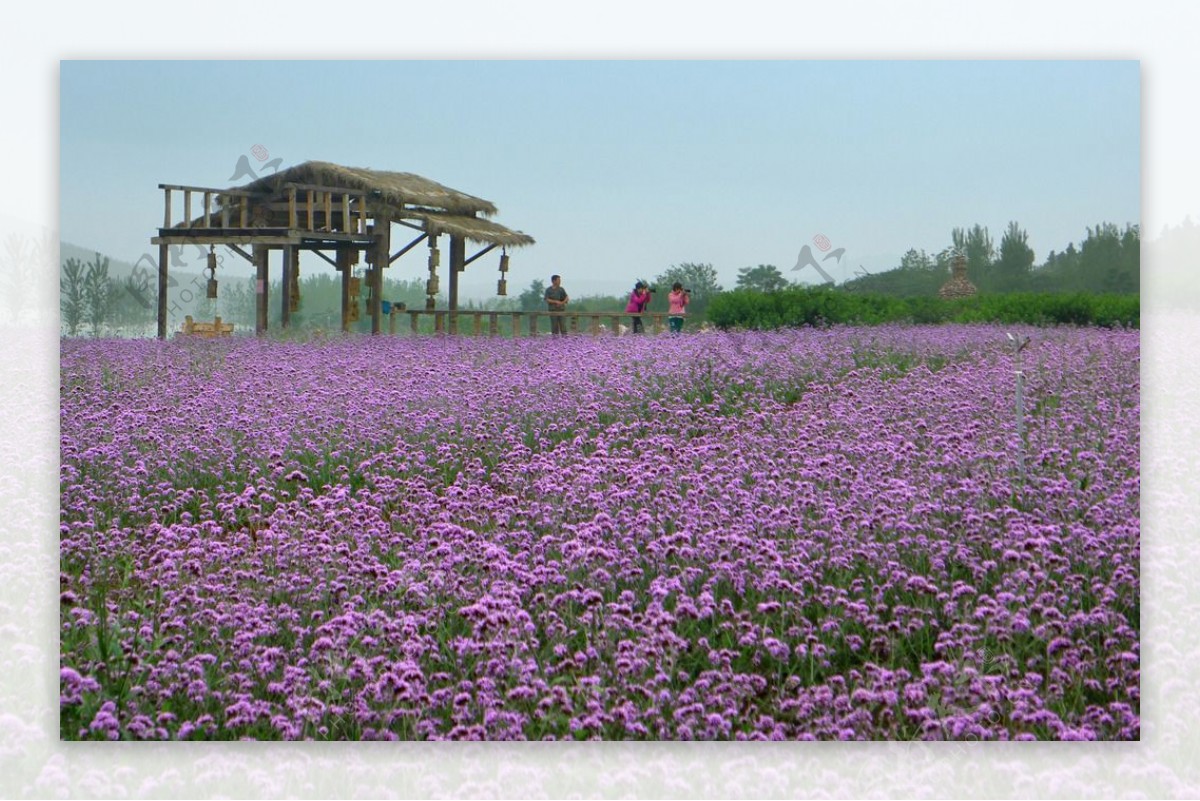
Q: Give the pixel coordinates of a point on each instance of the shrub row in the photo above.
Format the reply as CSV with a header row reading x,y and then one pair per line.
x,y
820,306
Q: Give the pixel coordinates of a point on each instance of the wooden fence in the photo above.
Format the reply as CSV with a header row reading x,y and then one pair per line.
x,y
487,323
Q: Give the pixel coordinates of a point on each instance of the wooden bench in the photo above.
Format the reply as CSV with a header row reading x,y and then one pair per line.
x,y
204,329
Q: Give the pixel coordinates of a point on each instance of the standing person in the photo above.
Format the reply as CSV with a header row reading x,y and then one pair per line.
x,y
677,302
556,301
639,299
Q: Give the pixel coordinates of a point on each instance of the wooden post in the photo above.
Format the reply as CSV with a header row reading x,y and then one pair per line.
x,y
413,315
533,322
167,208
458,258
362,214
616,325
478,323
208,209
347,223
262,255
187,208
516,324
493,324
439,322
382,249
308,198
224,201
285,295
164,255
343,266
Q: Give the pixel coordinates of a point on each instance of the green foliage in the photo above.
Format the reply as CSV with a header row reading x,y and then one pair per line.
x,y
98,294
763,278
821,306
534,298
701,279
71,302
976,246
918,275
1011,271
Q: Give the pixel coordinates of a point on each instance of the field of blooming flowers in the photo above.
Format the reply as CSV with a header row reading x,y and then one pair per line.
x,y
789,535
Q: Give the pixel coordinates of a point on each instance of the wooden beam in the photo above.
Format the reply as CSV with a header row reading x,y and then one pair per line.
x,y
323,256
488,249
241,253
407,248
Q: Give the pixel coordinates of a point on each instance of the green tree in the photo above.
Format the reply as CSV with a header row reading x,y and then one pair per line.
x,y
534,298
919,275
1013,268
977,248
131,306
71,303
1109,260
98,294
763,278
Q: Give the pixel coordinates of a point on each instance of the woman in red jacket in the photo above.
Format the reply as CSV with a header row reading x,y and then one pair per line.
x,y
638,301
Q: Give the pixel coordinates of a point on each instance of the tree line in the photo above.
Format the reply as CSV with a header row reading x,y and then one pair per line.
x,y
1108,261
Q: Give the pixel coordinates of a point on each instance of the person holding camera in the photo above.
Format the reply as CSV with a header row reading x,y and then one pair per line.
x,y
639,299
677,302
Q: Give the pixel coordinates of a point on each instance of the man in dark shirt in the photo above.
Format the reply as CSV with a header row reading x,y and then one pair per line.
x,y
556,301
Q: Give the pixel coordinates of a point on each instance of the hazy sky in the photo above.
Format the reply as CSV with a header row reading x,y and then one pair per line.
x,y
620,169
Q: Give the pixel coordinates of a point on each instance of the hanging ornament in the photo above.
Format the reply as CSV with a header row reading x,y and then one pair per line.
x,y
212,273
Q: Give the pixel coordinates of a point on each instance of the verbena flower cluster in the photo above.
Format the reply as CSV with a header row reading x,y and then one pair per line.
x,y
809,534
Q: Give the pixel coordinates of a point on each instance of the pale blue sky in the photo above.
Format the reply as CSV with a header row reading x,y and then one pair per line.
x,y
620,169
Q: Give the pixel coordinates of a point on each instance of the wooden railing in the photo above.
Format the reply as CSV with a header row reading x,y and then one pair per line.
x,y
487,323
302,207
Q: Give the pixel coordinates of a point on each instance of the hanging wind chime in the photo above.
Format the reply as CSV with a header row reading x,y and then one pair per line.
x,y
212,273
431,286
502,284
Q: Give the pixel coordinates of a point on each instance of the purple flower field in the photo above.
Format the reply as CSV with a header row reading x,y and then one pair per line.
x,y
813,534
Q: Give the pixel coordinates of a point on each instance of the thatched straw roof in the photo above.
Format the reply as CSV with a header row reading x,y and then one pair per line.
x,y
474,228
395,188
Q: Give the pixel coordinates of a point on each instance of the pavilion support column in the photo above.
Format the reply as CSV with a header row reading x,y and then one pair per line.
x,y
458,259
458,263
285,294
164,255
381,256
262,281
343,266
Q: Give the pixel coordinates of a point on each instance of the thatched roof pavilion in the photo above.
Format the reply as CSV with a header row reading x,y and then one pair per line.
x,y
322,206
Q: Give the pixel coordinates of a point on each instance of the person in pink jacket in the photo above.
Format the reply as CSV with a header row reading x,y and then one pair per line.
x,y
677,303
639,299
